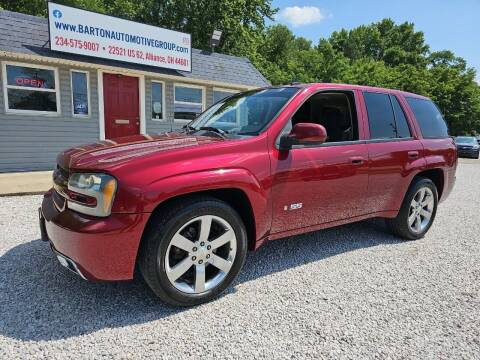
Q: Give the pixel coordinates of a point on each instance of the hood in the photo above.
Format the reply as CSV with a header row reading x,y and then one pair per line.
x,y
464,144
108,153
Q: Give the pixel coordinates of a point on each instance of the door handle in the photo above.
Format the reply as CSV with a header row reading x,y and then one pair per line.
x,y
413,154
357,160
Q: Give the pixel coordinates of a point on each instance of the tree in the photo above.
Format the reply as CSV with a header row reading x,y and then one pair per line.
x,y
388,55
39,7
300,43
382,54
382,41
454,89
361,42
335,64
278,45
242,22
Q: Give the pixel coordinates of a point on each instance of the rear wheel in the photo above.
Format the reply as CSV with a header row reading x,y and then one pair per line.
x,y
418,211
193,250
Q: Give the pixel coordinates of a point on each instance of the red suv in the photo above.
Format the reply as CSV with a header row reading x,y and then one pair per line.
x,y
259,165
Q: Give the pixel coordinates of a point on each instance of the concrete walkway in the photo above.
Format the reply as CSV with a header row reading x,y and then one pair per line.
x,y
35,182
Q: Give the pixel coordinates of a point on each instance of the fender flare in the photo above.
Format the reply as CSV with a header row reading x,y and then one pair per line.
x,y
241,179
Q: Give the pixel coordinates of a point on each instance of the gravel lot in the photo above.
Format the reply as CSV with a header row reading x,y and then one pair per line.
x,y
349,292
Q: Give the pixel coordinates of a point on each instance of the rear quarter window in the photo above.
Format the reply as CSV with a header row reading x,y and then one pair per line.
x,y
403,131
429,118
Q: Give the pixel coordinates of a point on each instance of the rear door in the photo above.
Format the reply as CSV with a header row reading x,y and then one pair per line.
x,y
394,151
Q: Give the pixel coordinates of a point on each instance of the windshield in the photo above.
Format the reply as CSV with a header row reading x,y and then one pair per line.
x,y
246,113
466,140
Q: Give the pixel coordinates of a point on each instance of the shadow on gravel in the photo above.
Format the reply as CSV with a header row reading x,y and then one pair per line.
x,y
39,300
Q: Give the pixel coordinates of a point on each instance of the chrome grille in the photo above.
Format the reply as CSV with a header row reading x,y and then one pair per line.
x,y
60,185
60,177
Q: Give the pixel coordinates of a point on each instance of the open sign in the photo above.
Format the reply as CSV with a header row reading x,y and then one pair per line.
x,y
23,81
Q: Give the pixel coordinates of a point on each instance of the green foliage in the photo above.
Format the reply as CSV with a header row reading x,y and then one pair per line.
x,y
453,87
241,21
381,54
39,7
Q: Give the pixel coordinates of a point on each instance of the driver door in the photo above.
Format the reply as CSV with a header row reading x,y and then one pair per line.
x,y
313,185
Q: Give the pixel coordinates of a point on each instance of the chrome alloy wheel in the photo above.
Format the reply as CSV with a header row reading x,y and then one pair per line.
x,y
421,210
200,254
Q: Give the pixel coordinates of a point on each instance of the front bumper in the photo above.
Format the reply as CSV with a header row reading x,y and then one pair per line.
x,y
100,248
468,152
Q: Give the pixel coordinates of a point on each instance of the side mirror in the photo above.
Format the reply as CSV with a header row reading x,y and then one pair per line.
x,y
303,134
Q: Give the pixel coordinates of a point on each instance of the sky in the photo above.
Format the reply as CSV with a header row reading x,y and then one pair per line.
x,y
447,24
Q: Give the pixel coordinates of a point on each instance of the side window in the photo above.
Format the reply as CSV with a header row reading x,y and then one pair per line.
x,y
157,100
429,118
403,131
380,116
334,110
80,94
188,102
30,89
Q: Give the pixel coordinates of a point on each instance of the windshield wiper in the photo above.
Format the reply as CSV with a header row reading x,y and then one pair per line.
x,y
189,128
215,130
248,133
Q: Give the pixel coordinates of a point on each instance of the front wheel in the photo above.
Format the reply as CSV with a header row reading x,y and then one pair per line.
x,y
418,211
193,250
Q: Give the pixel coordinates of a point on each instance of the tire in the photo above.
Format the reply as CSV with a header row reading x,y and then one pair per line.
x,y
400,225
166,244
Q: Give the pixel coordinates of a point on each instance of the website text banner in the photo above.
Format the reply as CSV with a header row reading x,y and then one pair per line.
x,y
87,33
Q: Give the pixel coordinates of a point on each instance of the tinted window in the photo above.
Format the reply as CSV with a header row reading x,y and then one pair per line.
x,y
335,111
80,93
403,131
380,116
31,100
428,117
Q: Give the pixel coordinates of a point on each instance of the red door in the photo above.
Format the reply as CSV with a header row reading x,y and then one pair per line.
x,y
394,159
318,185
121,101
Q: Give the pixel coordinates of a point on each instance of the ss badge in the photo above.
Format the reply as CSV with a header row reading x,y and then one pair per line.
x,y
293,207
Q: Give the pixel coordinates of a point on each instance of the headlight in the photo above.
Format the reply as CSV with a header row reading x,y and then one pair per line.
x,y
91,194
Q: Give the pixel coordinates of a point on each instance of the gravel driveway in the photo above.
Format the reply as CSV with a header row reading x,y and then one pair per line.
x,y
349,292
